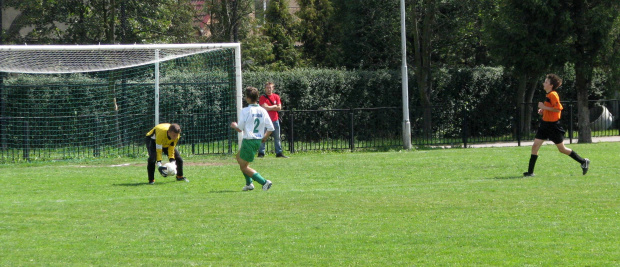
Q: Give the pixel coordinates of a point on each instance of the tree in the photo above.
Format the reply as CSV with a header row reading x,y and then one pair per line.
x,y
458,38
280,28
366,34
257,52
95,21
230,19
590,32
611,57
534,36
315,28
526,36
38,14
424,19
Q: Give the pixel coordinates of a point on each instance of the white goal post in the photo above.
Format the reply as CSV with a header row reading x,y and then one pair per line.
x,y
50,59
52,91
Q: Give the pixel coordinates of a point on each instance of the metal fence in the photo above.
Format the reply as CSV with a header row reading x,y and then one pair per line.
x,y
335,129
381,128
604,119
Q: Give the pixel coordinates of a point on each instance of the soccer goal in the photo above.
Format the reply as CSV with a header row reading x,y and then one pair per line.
x,y
66,102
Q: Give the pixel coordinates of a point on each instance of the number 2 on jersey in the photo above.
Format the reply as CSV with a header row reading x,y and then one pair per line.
x,y
256,124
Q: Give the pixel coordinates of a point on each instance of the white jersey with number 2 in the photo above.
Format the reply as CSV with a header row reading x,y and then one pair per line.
x,y
254,119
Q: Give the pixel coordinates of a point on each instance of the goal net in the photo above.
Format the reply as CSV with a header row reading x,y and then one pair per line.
x,y
67,102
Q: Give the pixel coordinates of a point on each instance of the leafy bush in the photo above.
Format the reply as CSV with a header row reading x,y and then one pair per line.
x,y
481,98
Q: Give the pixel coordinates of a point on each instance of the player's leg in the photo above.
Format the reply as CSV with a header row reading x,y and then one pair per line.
x,y
533,157
585,163
563,149
261,148
244,165
247,172
179,162
536,146
277,142
542,134
557,136
150,166
277,146
245,156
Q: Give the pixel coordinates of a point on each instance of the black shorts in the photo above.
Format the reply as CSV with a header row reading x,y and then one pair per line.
x,y
552,131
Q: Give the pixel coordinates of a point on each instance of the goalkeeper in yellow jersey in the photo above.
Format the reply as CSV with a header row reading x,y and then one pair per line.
x,y
163,139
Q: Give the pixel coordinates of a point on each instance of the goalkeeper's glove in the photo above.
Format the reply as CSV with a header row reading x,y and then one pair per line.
x,y
161,169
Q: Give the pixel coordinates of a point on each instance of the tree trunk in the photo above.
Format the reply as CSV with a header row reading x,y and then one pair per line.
x,y
235,21
422,54
583,79
529,95
124,26
521,104
112,38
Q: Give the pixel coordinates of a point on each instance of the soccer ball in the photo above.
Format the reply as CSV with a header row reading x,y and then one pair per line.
x,y
171,169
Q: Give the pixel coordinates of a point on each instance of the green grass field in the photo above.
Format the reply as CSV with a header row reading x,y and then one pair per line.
x,y
425,207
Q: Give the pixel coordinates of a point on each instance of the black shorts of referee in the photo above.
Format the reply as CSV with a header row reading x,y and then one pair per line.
x,y
551,130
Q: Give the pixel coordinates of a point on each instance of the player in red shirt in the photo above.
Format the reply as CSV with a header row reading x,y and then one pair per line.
x,y
272,103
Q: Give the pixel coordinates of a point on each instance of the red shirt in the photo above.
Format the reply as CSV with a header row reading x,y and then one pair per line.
x,y
270,100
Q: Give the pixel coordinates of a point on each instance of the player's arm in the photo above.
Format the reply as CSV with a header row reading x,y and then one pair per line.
x,y
241,125
171,153
268,125
556,106
270,108
542,106
263,103
234,125
159,151
267,134
279,105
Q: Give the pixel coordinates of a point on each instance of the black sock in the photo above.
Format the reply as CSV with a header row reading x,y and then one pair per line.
x,y
577,157
533,159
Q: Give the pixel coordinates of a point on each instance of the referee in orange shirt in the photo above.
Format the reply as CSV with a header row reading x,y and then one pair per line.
x,y
550,127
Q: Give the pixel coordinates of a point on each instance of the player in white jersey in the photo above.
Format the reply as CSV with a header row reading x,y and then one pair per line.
x,y
253,120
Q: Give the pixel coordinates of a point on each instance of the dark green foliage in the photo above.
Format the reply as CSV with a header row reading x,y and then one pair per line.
x,y
528,35
458,90
611,58
102,21
257,52
82,106
367,34
484,95
230,19
458,36
316,28
280,27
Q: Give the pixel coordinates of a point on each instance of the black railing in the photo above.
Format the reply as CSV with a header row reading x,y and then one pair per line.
x,y
340,129
301,130
604,119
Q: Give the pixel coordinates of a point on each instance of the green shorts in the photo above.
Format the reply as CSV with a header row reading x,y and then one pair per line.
x,y
249,147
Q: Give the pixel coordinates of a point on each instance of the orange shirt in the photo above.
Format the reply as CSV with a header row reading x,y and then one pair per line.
x,y
553,100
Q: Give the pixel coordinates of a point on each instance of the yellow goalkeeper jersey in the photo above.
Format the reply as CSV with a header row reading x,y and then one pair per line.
x,y
160,134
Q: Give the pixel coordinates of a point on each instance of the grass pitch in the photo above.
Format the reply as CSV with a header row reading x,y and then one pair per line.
x,y
425,207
